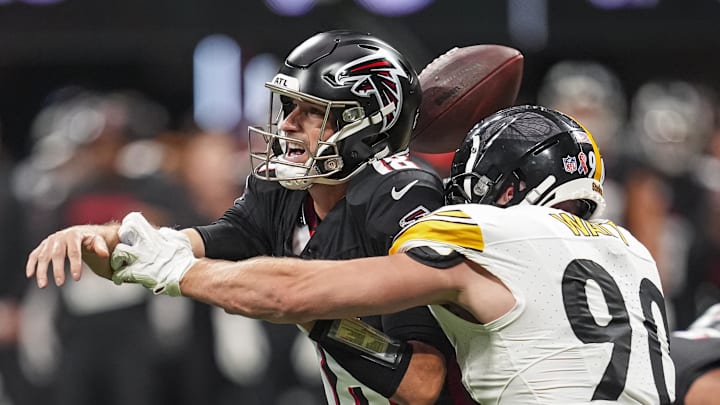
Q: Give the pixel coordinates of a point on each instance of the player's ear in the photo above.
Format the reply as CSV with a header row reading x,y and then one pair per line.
x,y
506,195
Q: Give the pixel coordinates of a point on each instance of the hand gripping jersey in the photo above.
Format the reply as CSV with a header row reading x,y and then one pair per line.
x,y
589,321
271,220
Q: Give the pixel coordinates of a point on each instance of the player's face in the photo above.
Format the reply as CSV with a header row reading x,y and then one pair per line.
x,y
304,122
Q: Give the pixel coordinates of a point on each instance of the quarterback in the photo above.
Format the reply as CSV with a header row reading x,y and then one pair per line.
x,y
332,180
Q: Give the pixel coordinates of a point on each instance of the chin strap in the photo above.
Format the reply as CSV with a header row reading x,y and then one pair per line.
x,y
534,195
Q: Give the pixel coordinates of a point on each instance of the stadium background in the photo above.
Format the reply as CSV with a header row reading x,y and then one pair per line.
x,y
200,65
150,45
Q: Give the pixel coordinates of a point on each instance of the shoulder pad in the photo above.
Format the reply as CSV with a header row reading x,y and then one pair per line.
x,y
370,182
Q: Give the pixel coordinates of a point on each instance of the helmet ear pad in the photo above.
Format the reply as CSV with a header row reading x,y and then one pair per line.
x,y
356,148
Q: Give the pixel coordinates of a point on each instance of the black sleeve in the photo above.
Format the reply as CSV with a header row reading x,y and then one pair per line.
x,y
417,324
692,358
237,234
384,373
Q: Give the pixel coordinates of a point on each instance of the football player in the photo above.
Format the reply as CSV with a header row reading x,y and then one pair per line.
x,y
543,301
696,353
331,180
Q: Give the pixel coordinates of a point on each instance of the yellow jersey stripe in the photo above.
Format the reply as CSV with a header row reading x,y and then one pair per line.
x,y
447,232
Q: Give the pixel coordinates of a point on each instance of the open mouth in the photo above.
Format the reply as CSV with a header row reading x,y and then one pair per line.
x,y
294,151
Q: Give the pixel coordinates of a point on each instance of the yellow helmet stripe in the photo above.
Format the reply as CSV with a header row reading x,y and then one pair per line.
x,y
467,235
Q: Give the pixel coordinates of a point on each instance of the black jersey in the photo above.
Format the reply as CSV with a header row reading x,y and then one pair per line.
x,y
379,202
692,358
695,350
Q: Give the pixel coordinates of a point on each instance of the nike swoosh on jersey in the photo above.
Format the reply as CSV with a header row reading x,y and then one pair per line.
x,y
398,194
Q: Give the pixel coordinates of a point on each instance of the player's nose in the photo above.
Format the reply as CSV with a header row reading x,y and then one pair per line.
x,y
290,122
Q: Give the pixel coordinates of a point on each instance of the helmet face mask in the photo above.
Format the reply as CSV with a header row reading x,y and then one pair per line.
x,y
370,97
274,144
547,158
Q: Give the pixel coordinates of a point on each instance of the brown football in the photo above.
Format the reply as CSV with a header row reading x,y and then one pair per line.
x,y
460,88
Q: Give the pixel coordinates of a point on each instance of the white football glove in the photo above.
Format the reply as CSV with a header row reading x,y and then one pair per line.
x,y
156,258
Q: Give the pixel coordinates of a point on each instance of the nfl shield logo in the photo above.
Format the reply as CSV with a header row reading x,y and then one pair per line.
x,y
569,164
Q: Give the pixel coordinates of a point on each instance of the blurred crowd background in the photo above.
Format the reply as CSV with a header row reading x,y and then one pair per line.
x,y
111,107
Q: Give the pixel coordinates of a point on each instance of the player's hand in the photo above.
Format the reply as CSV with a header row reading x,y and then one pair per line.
x,y
89,243
155,258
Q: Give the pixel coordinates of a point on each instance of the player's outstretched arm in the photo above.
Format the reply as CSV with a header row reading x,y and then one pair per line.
x,y
288,290
92,244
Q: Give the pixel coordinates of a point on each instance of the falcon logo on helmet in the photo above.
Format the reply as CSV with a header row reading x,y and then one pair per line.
x,y
375,76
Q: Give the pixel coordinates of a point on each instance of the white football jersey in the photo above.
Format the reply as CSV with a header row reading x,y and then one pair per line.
x,y
589,321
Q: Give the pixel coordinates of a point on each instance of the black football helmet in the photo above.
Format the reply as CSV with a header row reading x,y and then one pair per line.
x,y
546,156
368,89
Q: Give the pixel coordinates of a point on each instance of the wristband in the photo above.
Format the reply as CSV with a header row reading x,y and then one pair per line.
x,y
373,358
